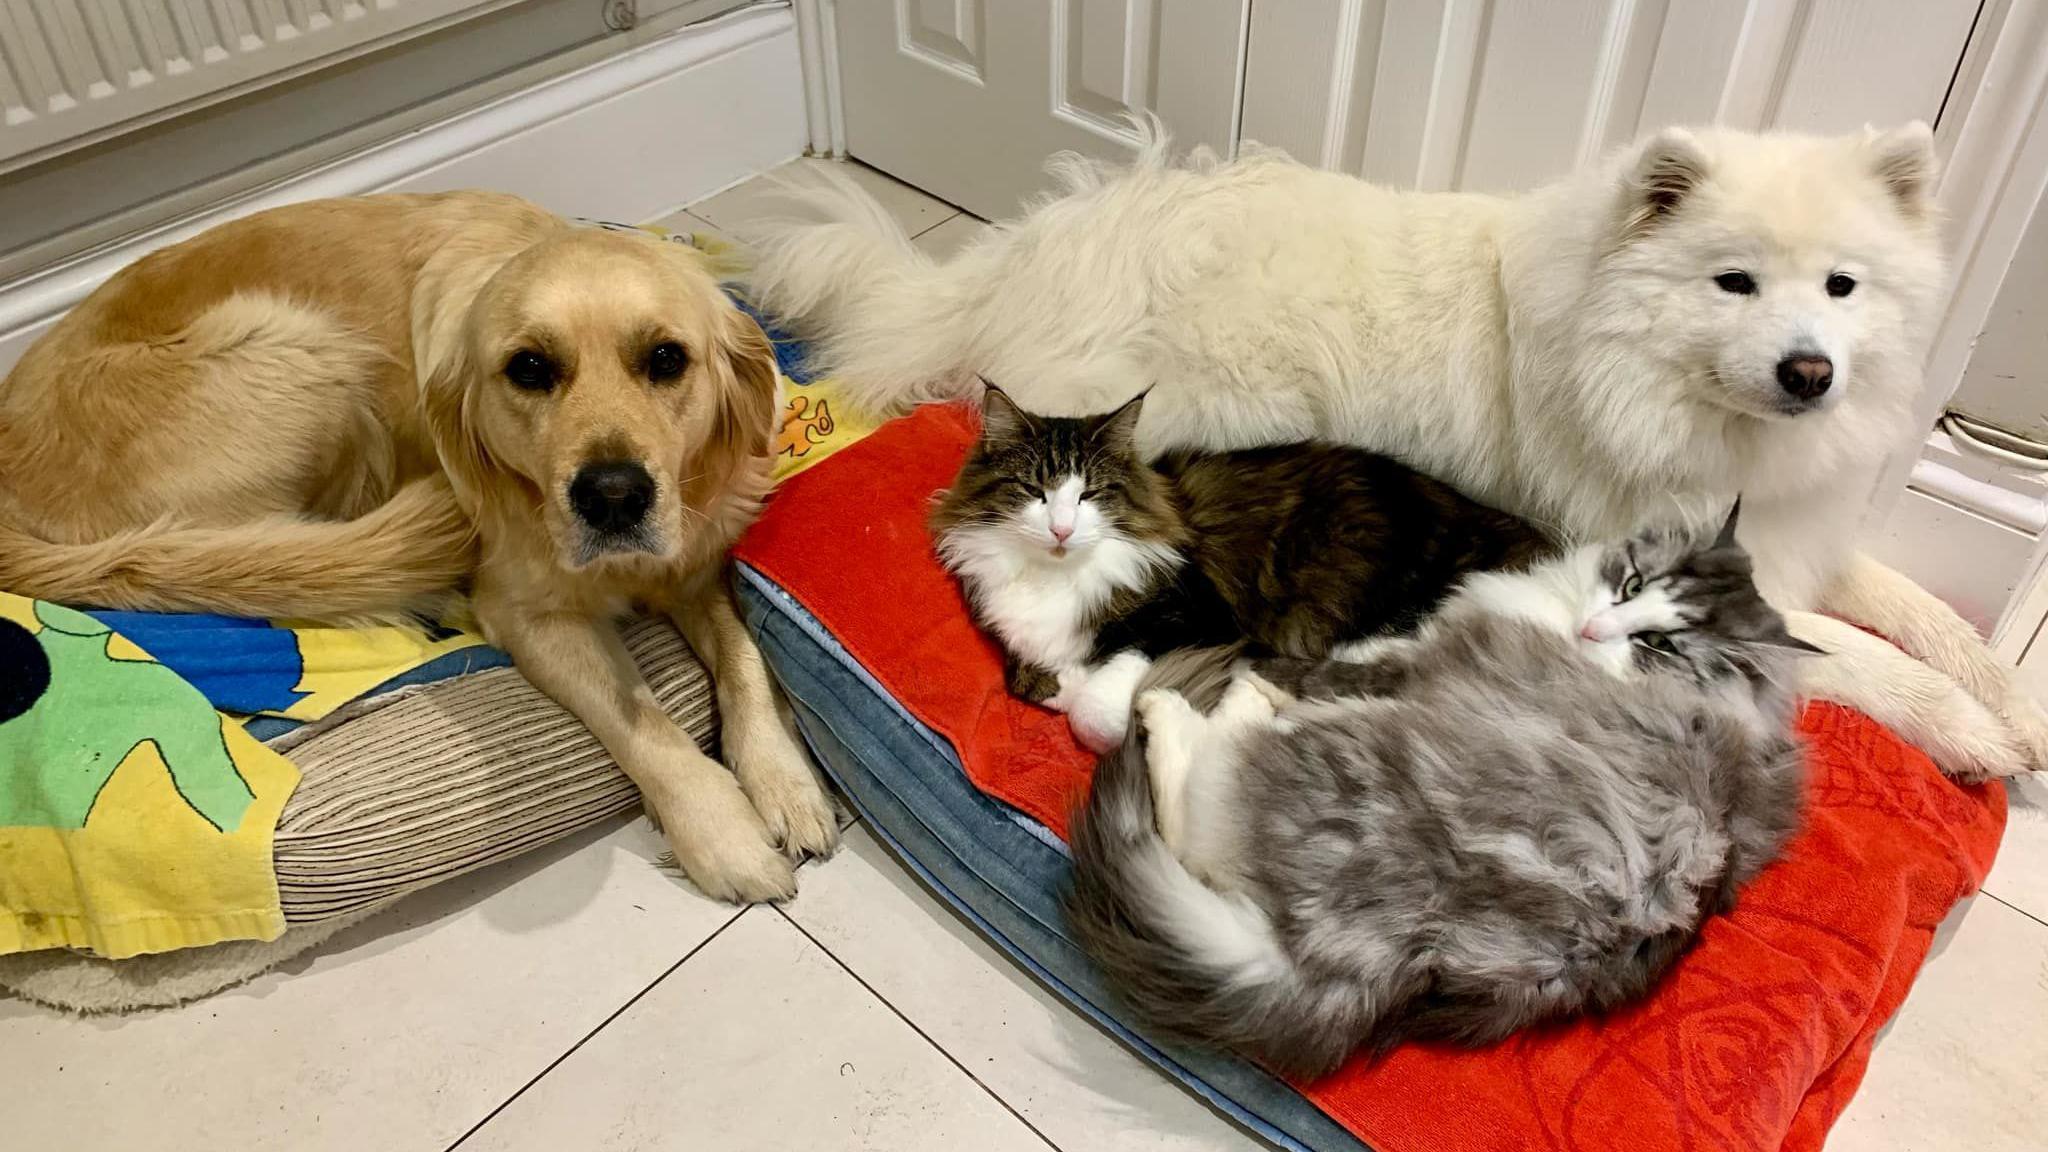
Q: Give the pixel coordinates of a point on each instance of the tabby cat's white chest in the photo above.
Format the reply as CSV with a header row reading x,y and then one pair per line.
x,y
1041,608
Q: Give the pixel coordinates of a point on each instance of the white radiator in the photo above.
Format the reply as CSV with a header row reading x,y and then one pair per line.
x,y
73,71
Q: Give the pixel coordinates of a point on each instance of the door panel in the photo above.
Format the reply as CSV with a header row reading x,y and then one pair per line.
x,y
1496,95
966,98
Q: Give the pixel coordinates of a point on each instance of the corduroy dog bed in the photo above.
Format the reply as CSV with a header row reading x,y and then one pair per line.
x,y
420,786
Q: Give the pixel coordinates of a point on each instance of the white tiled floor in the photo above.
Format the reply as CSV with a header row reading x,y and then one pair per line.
x,y
580,998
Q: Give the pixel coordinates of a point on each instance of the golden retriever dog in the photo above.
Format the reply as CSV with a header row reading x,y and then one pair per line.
x,y
352,408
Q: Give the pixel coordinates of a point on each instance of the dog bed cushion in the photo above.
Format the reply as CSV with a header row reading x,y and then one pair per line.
x,y
1756,1040
427,783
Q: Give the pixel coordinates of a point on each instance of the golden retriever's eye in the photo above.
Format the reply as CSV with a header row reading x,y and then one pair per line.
x,y
666,361
530,370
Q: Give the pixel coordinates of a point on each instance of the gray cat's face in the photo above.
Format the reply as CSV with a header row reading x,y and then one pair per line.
x,y
1680,602
1054,488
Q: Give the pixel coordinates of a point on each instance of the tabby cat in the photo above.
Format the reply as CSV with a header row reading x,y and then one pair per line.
x,y
1085,562
1523,810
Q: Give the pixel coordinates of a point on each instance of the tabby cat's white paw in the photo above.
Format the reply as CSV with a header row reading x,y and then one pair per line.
x,y
1100,713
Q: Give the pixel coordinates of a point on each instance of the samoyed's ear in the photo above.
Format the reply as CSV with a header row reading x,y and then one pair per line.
x,y
1903,159
1666,170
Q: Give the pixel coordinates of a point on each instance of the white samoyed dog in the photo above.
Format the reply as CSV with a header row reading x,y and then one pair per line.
x,y
1704,315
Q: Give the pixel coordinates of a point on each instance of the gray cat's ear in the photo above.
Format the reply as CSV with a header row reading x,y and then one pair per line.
x,y
1001,419
1727,537
1121,429
1785,641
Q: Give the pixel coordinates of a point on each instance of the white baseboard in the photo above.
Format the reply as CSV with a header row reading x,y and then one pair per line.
x,y
1975,534
630,138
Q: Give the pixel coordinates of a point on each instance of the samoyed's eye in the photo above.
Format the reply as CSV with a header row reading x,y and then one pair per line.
x,y
1631,586
1736,282
1840,285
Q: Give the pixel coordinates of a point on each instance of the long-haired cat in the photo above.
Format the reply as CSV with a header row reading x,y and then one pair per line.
x,y
1085,562
1525,809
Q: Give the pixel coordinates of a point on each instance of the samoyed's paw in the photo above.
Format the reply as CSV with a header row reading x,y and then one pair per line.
x,y
2024,715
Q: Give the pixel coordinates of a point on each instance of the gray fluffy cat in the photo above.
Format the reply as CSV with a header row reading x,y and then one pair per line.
x,y
1525,809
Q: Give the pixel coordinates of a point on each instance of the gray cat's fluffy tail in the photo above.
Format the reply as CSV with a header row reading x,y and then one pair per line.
x,y
1195,963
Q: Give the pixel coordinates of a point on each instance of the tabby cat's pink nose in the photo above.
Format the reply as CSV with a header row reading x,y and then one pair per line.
x,y
1060,533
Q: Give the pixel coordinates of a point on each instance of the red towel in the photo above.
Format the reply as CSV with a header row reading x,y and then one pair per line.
x,y
1756,1040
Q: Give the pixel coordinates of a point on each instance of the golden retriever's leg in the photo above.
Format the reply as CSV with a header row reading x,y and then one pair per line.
x,y
1892,605
775,772
715,834
1921,704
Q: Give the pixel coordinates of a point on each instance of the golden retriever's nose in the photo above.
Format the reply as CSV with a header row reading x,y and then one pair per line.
x,y
612,495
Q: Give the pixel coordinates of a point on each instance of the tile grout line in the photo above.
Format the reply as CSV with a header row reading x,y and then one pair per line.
x,y
912,1024
601,1026
2009,904
955,216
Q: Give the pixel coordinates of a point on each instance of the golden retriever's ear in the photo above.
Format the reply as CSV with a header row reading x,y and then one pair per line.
x,y
749,412
448,397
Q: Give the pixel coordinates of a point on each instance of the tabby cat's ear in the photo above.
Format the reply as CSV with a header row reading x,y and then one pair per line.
x,y
1120,430
1001,419
1727,537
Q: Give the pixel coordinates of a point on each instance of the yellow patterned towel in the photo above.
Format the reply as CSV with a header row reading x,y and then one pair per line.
x,y
133,816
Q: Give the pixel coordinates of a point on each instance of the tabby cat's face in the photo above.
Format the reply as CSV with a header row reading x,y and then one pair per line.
x,y
1055,488
1674,601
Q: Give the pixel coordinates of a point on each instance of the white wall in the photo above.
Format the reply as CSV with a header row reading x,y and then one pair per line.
x,y
628,139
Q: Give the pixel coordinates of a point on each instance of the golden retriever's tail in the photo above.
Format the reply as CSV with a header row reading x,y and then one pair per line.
x,y
401,557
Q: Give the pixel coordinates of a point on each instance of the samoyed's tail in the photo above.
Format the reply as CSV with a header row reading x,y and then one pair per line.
x,y
404,556
1196,963
894,327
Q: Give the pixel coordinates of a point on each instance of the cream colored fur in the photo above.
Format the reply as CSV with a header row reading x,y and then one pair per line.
x,y
307,412
1566,354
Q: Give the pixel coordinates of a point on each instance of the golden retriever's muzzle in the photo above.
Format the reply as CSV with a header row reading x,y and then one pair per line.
x,y
612,500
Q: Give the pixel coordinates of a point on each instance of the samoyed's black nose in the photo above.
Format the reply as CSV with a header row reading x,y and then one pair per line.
x,y
612,495
1806,377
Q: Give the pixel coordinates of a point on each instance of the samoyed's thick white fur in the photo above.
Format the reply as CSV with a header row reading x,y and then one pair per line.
x,y
1578,354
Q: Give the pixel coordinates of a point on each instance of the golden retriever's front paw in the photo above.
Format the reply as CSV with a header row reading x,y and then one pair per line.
x,y
725,849
745,876
794,807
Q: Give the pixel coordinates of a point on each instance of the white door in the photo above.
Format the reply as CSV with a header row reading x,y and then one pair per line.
x,y
966,98
1494,95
